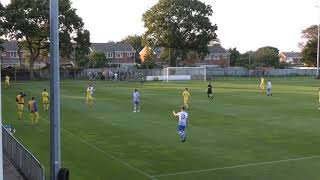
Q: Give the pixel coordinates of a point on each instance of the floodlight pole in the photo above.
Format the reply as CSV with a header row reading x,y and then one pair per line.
x,y
1,148
55,141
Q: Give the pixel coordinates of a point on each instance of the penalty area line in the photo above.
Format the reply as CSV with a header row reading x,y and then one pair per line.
x,y
235,167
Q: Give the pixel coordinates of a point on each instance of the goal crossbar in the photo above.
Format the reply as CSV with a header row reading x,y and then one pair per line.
x,y
184,73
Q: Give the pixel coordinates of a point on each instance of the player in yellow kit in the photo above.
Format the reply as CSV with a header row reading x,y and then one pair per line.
x,y
45,100
186,96
20,102
89,98
33,109
7,82
262,84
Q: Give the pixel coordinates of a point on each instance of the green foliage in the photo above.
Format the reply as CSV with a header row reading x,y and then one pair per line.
x,y
97,60
1,20
310,45
137,43
263,57
28,21
246,60
180,25
309,34
234,56
83,62
82,46
309,53
267,57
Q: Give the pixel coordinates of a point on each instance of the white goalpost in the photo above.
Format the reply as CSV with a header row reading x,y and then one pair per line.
x,y
184,73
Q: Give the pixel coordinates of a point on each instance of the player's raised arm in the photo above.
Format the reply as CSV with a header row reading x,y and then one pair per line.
x,y
174,113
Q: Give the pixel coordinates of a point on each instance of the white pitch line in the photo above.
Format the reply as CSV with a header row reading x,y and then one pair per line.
x,y
234,167
107,154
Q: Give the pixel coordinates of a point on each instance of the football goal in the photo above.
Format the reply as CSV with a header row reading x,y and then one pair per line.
x,y
184,73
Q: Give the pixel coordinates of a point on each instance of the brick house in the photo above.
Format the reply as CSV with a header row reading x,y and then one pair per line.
x,y
119,53
156,52
9,55
10,58
217,56
290,57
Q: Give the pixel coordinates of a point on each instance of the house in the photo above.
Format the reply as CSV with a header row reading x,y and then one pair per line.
x,y
156,52
217,56
119,53
9,55
290,57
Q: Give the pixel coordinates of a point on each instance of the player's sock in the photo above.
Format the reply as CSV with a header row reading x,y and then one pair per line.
x,y
182,135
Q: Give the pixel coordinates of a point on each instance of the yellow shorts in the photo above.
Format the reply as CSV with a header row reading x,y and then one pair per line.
x,y
20,107
89,98
45,101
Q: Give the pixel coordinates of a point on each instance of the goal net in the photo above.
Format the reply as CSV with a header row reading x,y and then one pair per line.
x,y
184,73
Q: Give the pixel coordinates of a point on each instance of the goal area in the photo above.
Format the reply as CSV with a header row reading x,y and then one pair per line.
x,y
184,73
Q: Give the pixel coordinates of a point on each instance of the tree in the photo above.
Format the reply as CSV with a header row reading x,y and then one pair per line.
x,y
28,21
246,60
179,25
308,34
267,57
97,60
82,47
309,53
309,45
1,27
234,56
136,42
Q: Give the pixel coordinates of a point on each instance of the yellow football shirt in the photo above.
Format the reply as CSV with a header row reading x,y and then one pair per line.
x,y
185,95
45,96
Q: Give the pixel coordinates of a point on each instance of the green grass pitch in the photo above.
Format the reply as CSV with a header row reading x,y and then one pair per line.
x,y
242,135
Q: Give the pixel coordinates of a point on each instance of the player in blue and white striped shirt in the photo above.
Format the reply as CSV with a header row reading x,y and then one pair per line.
x,y
136,101
183,122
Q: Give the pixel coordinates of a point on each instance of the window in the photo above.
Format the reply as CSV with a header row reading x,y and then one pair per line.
x,y
119,55
129,54
14,54
225,56
4,54
109,55
216,57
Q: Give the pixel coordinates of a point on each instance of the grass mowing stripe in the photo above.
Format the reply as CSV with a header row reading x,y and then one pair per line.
x,y
105,153
237,166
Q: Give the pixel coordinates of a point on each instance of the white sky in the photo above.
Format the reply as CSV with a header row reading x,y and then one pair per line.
x,y
245,24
